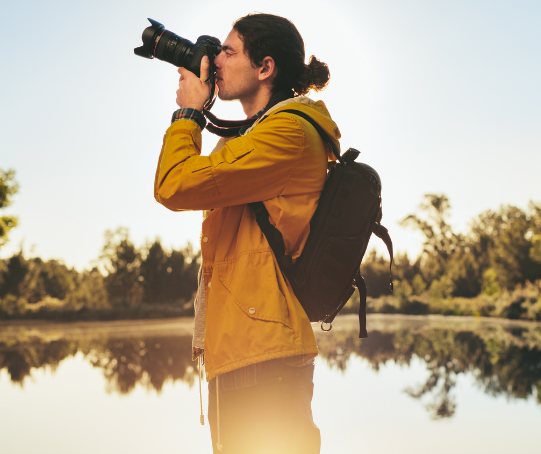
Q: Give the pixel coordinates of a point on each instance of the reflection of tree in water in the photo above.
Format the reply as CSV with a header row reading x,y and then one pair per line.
x,y
443,371
150,361
502,361
18,358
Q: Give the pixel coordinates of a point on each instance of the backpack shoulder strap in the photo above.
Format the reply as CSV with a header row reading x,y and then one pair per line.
x,y
273,235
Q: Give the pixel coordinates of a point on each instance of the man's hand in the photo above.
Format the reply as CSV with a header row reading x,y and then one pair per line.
x,y
193,92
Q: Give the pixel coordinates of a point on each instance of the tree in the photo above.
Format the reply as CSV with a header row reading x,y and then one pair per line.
x,y
440,241
169,277
33,279
122,261
154,272
505,244
8,187
463,271
375,272
535,226
89,291
15,271
510,254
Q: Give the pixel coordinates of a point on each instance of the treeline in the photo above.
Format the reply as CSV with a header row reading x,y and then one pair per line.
x,y
492,270
129,282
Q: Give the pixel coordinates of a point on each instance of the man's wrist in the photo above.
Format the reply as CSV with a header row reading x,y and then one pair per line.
x,y
187,113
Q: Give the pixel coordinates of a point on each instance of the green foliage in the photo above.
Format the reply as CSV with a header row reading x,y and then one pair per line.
x,y
440,241
402,291
535,251
30,281
490,282
407,304
383,305
89,291
441,288
501,250
523,302
375,271
169,277
151,275
12,305
506,241
404,269
418,285
14,272
8,187
488,271
58,280
509,255
134,279
122,262
493,270
462,269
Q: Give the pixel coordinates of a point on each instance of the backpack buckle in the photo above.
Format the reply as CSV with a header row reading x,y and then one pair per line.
x,y
350,155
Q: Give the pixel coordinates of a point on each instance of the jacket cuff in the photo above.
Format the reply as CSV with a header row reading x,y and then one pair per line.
x,y
189,114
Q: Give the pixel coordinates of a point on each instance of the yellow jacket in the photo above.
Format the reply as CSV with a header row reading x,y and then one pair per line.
x,y
252,314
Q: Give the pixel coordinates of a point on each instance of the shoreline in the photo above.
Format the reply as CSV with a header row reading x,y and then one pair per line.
x,y
183,325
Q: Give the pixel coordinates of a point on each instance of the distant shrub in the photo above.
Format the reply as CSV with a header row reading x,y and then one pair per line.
x,y
523,303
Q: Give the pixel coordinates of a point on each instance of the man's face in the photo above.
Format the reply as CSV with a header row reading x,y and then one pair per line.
x,y
236,78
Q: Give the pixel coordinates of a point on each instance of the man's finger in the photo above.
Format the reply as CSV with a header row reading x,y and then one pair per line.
x,y
204,71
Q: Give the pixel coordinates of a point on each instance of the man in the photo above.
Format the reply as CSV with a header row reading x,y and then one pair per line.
x,y
257,341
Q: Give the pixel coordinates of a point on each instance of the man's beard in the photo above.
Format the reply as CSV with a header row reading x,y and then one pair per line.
x,y
225,95
242,91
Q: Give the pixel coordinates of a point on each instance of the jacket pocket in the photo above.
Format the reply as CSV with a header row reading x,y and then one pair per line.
x,y
254,286
233,150
200,163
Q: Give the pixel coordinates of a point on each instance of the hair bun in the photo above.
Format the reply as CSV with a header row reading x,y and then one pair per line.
x,y
315,77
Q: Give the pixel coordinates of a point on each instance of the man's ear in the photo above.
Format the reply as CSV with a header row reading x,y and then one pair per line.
x,y
267,69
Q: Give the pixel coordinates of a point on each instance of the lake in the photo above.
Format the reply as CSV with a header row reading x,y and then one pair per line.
x,y
415,385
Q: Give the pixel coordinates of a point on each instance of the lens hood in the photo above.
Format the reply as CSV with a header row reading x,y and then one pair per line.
x,y
151,36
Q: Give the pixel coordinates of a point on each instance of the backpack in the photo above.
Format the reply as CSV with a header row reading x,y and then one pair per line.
x,y
327,272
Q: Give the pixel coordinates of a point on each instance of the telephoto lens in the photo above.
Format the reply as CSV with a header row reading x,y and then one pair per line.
x,y
165,45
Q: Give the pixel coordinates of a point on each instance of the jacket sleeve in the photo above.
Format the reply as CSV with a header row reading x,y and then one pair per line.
x,y
251,168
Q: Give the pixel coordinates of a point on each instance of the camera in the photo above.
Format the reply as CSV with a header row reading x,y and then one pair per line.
x,y
165,45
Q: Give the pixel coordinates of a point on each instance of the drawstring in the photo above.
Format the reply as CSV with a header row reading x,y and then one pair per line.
x,y
219,444
202,417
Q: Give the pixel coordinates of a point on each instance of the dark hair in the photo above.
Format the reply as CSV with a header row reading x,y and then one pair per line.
x,y
266,35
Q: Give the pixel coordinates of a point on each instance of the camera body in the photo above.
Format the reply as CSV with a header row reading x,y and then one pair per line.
x,y
165,45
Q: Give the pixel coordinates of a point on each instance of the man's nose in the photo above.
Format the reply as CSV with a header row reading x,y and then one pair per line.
x,y
217,59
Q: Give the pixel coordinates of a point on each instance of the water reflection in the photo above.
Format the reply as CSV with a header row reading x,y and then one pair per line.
x,y
127,358
504,358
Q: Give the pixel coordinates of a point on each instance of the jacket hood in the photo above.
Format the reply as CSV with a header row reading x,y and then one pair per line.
x,y
316,110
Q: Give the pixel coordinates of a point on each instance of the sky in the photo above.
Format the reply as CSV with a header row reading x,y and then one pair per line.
x,y
440,97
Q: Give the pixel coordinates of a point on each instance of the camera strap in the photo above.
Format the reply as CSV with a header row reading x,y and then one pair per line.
x,y
232,128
